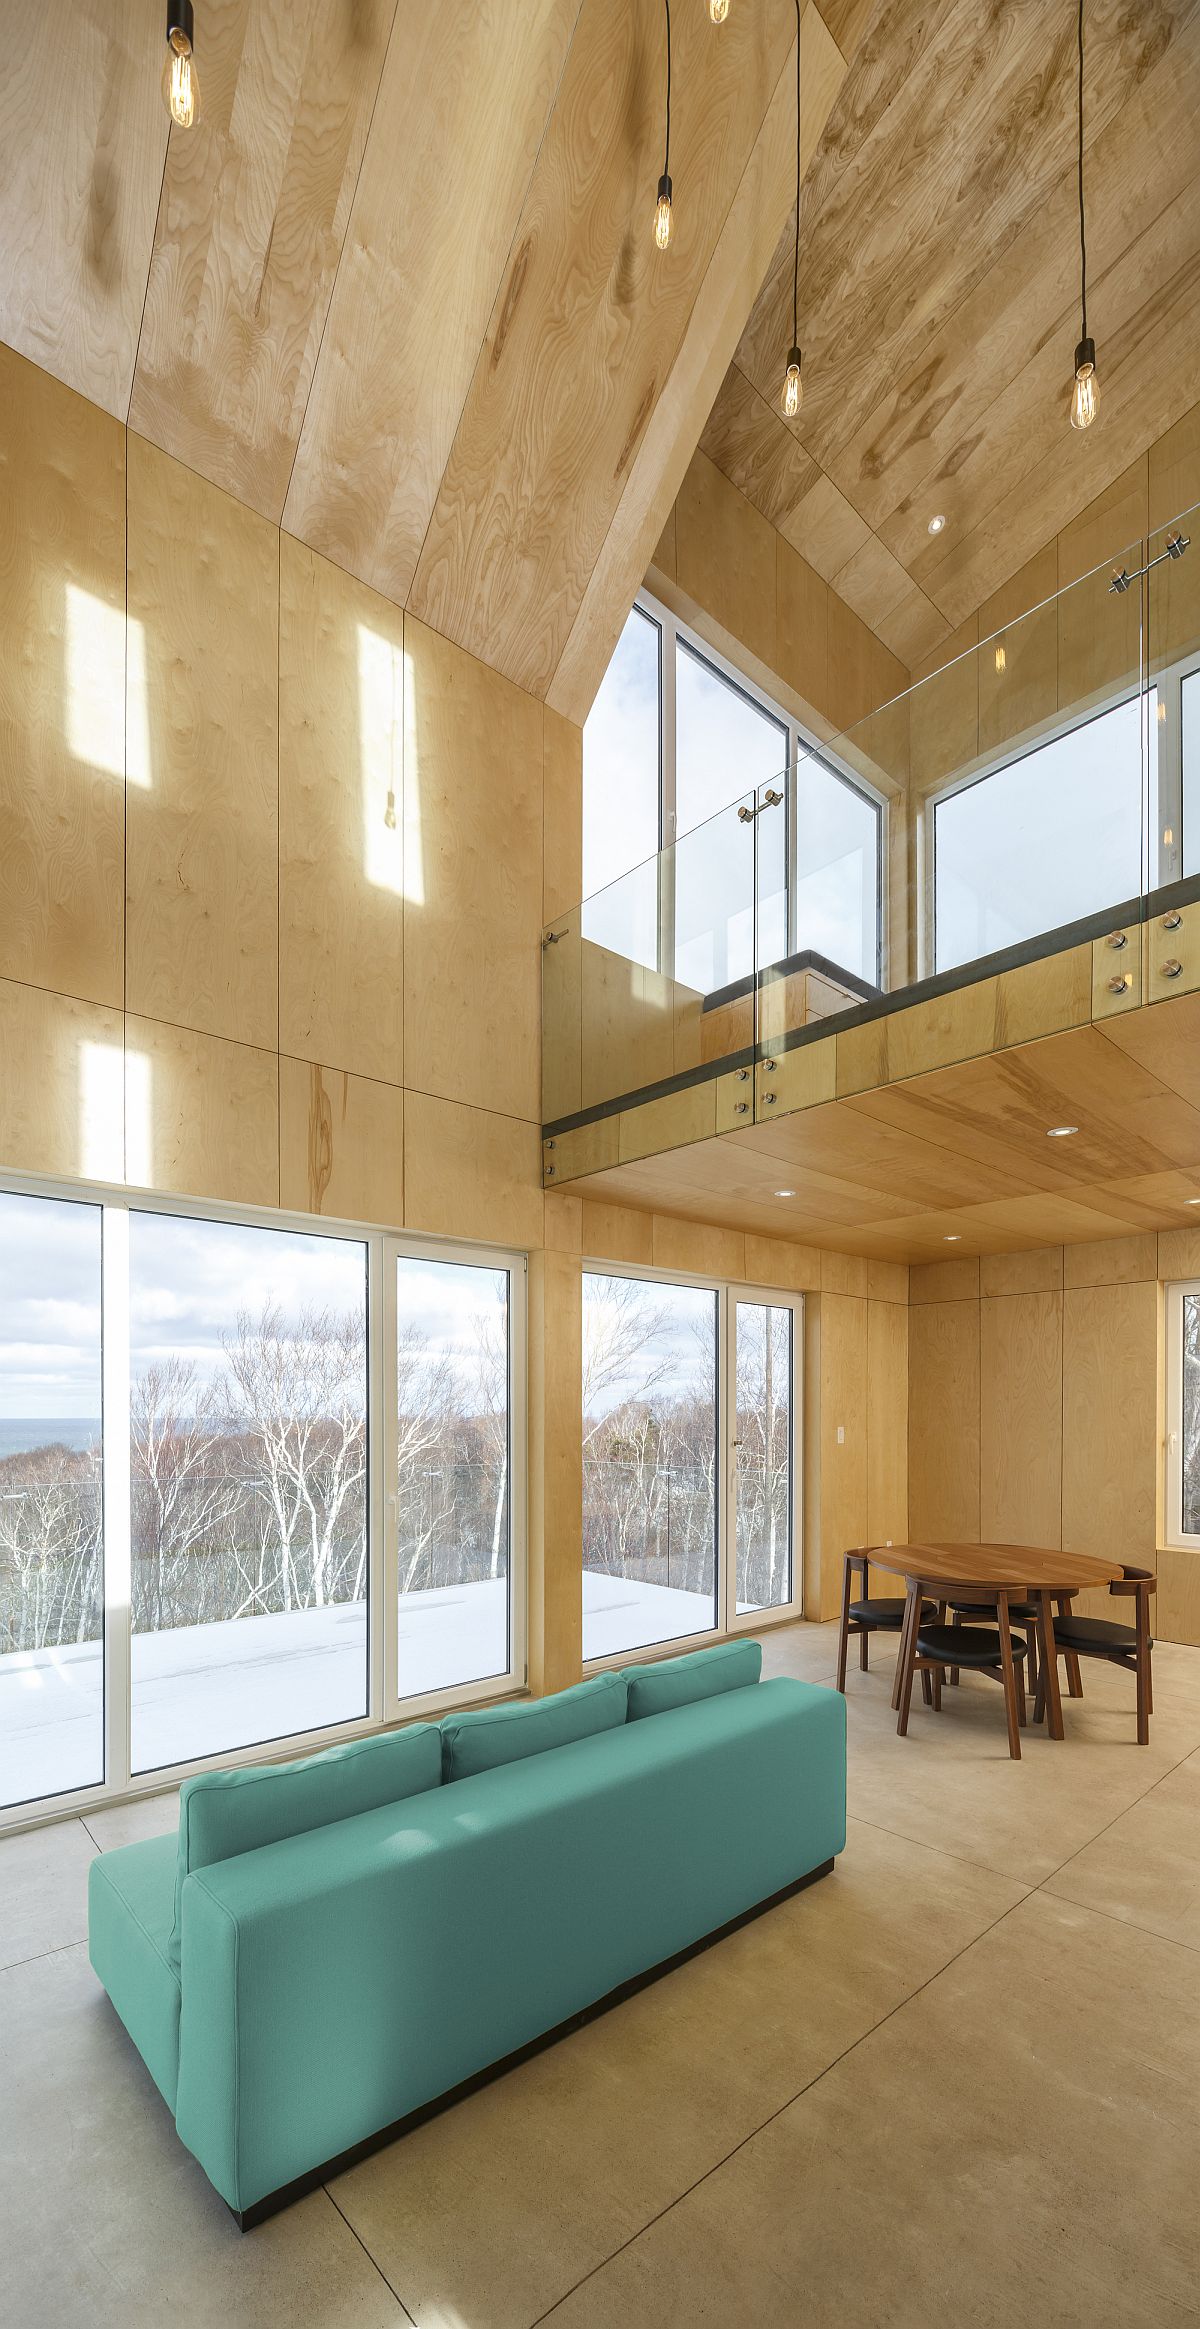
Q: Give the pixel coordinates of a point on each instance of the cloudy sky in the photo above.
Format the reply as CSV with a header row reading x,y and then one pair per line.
x,y
188,1280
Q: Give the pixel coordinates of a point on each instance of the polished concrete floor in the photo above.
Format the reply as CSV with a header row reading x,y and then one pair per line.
x,y
957,2082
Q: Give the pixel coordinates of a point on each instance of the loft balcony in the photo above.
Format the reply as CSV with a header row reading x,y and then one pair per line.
x,y
937,983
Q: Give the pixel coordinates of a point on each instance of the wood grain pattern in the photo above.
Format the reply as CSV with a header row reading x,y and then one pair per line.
x,y
342,871
62,655
555,1471
1020,1462
201,1115
202,812
83,132
62,1093
341,1144
887,1421
255,206
943,1421
843,1463
472,880
469,1173
1111,1436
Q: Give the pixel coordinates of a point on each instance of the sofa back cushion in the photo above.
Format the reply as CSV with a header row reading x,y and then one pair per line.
x,y
225,1813
703,1674
505,1734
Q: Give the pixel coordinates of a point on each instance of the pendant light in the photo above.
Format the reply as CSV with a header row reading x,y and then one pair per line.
x,y
1084,393
662,215
180,82
718,10
793,385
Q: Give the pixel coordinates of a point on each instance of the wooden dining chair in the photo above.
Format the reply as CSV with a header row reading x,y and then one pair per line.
x,y
965,1606
1130,1646
864,1616
929,1646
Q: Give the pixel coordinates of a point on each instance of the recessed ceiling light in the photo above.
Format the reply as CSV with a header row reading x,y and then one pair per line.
x,y
952,1237
1192,1200
936,524
791,1193
1060,1131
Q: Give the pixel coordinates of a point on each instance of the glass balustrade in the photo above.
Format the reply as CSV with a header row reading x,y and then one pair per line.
x,y
1038,789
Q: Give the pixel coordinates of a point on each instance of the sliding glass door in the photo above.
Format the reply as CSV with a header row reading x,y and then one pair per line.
x,y
690,1462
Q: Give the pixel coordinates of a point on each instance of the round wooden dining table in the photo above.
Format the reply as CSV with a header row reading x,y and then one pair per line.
x,y
1037,1573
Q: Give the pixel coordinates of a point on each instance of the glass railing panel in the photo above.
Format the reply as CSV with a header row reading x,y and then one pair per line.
x,y
1172,588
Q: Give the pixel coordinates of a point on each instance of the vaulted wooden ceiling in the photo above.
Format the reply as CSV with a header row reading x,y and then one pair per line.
x,y
398,288
939,296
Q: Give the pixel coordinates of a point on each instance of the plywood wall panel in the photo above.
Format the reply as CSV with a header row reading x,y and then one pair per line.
x,y
470,1173
555,1471
562,815
62,1089
843,1462
201,1115
887,1422
62,675
1020,1468
202,694
1111,1451
342,869
472,880
725,558
341,1144
943,1421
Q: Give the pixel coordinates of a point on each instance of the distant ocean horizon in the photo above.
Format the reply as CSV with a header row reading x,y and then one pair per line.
x,y
19,1433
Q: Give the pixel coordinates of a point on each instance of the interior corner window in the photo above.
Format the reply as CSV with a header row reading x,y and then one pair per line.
x,y
1190,711
729,877
649,1462
453,1473
763,1444
248,1485
51,1499
1184,1424
838,831
621,786
1050,838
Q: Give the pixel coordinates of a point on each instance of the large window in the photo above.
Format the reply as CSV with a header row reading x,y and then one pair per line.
x,y
689,1459
51,1499
1183,1414
257,1482
1045,840
676,742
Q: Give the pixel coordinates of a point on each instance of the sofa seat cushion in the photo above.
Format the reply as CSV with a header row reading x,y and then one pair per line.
x,y
131,1909
417,1945
224,1813
492,1735
673,1682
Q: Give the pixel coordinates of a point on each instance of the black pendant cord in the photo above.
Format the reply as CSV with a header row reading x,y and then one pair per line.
x,y
1082,233
667,153
796,256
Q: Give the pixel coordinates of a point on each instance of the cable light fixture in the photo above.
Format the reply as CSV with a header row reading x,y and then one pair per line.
x,y
793,385
662,214
1084,395
180,81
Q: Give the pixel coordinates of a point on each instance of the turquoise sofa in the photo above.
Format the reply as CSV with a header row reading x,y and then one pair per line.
x,y
331,1947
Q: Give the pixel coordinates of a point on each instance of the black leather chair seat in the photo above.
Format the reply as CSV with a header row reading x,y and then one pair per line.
x,y
882,1616
1095,1633
965,1645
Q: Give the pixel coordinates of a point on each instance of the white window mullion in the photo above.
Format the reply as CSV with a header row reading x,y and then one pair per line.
x,y
668,797
381,1448
118,1564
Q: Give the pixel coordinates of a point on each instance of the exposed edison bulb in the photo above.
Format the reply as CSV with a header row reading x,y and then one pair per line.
x,y
1085,394
181,84
718,10
662,215
1001,656
793,385
389,814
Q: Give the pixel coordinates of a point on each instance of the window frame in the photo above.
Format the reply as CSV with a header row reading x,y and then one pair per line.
x,y
385,1707
800,746
1174,1534
729,1622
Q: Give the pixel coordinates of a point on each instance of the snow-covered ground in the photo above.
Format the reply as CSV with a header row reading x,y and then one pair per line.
x,y
209,1689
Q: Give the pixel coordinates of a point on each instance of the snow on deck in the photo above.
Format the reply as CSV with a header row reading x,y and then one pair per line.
x,y
211,1689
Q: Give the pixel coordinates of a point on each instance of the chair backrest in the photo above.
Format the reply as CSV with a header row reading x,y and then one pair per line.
x,y
1132,1581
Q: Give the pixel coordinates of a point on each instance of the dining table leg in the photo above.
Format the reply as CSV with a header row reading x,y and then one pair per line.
x,y
905,1676
1048,1668
844,1629
1009,1678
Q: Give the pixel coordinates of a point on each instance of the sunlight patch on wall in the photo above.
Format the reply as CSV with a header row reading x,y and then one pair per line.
x,y
137,703
414,856
102,1111
381,758
139,1121
95,706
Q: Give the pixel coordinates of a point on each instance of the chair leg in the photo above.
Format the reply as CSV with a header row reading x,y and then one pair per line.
x,y
911,1631
844,1628
1031,1652
863,1642
910,1611
952,1676
926,1686
1022,1709
1143,1672
1010,1680
939,1673
1070,1661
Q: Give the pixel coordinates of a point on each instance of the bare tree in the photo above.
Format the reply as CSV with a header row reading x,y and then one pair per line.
x,y
294,1395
